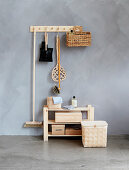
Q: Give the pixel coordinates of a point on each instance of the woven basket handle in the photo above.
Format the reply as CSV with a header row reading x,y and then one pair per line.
x,y
77,29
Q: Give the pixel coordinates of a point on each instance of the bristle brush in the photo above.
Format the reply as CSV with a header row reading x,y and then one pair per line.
x,y
56,90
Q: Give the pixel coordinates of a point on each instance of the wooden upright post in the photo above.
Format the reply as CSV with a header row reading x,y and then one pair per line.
x,y
45,124
34,43
90,113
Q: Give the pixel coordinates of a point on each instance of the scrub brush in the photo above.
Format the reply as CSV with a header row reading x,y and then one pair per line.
x,y
56,90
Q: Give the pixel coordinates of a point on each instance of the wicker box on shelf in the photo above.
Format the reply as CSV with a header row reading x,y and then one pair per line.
x,y
51,105
94,133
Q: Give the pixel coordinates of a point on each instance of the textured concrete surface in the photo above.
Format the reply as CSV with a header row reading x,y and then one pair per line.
x,y
26,152
97,75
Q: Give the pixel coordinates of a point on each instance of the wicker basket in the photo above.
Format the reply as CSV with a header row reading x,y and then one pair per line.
x,y
94,133
77,37
51,105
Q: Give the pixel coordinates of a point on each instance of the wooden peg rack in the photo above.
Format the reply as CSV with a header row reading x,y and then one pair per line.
x,y
51,28
71,41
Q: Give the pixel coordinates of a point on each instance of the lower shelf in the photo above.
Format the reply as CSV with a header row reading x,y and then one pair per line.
x,y
50,135
53,122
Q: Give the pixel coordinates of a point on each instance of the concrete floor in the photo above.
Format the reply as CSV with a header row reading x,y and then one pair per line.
x,y
27,152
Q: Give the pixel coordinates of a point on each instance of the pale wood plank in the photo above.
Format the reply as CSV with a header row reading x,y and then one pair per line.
x,y
50,135
34,43
66,110
51,28
68,117
45,127
53,122
90,113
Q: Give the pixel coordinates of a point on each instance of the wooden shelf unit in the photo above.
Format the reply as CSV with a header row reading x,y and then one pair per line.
x,y
88,109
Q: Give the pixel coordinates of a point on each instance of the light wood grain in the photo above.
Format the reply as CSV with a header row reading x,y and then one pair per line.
x,y
90,113
45,127
53,122
68,117
50,135
34,43
51,28
66,110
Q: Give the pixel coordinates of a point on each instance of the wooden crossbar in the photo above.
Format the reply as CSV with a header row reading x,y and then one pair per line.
x,y
51,28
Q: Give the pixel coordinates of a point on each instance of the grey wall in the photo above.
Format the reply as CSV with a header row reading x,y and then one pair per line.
x,y
97,75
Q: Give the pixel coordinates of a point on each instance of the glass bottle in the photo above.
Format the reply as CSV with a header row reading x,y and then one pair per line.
x,y
74,101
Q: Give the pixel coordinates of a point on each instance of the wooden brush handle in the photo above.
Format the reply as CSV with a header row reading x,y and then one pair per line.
x,y
59,60
46,41
57,47
34,43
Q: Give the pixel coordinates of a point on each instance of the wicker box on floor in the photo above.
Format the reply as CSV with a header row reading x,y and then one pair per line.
x,y
94,133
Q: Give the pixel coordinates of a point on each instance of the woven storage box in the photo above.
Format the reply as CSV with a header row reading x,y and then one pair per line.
x,y
94,133
77,37
51,105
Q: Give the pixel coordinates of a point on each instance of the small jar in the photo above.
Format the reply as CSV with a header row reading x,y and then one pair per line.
x,y
74,101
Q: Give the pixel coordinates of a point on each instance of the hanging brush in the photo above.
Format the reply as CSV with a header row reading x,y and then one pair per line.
x,y
56,90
